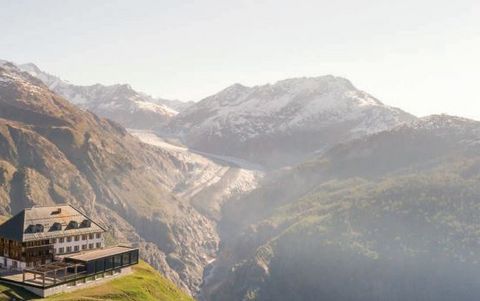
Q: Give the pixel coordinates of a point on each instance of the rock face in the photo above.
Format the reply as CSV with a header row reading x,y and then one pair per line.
x,y
121,103
390,216
53,152
284,123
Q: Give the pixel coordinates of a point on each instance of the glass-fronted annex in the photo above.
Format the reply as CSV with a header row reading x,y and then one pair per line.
x,y
105,260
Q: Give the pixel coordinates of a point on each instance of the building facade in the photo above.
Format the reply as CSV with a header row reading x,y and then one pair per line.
x,y
38,235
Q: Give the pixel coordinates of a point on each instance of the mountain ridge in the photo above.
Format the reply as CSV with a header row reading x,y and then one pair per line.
x,y
308,113
119,102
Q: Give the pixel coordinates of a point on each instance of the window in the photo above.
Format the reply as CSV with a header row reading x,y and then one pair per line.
x,y
69,249
86,223
84,247
61,239
108,263
98,235
90,236
72,225
125,259
77,237
61,250
76,248
134,256
117,260
56,227
90,246
84,237
54,240
69,239
98,245
99,265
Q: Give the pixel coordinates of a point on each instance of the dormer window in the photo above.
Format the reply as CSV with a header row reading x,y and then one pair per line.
x,y
30,229
34,228
56,227
86,223
38,228
73,225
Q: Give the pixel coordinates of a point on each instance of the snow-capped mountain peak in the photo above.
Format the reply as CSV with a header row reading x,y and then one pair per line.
x,y
119,102
444,121
314,111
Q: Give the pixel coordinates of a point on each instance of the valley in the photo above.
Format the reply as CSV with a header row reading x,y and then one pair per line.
x,y
212,180
302,188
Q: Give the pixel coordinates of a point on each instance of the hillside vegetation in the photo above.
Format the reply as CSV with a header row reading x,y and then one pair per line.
x,y
390,217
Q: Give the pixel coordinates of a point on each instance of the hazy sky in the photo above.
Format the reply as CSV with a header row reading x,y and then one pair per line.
x,y
422,56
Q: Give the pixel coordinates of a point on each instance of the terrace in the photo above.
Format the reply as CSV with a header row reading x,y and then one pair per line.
x,y
76,268
50,274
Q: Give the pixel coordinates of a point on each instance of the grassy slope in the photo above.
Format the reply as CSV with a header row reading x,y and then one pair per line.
x,y
355,232
143,285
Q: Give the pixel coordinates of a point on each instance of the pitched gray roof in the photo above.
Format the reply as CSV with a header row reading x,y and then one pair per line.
x,y
12,228
48,222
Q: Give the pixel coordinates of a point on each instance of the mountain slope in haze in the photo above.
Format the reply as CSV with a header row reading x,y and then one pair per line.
x,y
53,152
390,216
283,123
176,105
121,103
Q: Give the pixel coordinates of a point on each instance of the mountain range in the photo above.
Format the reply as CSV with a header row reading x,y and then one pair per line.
x,y
120,102
283,123
305,189
272,125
